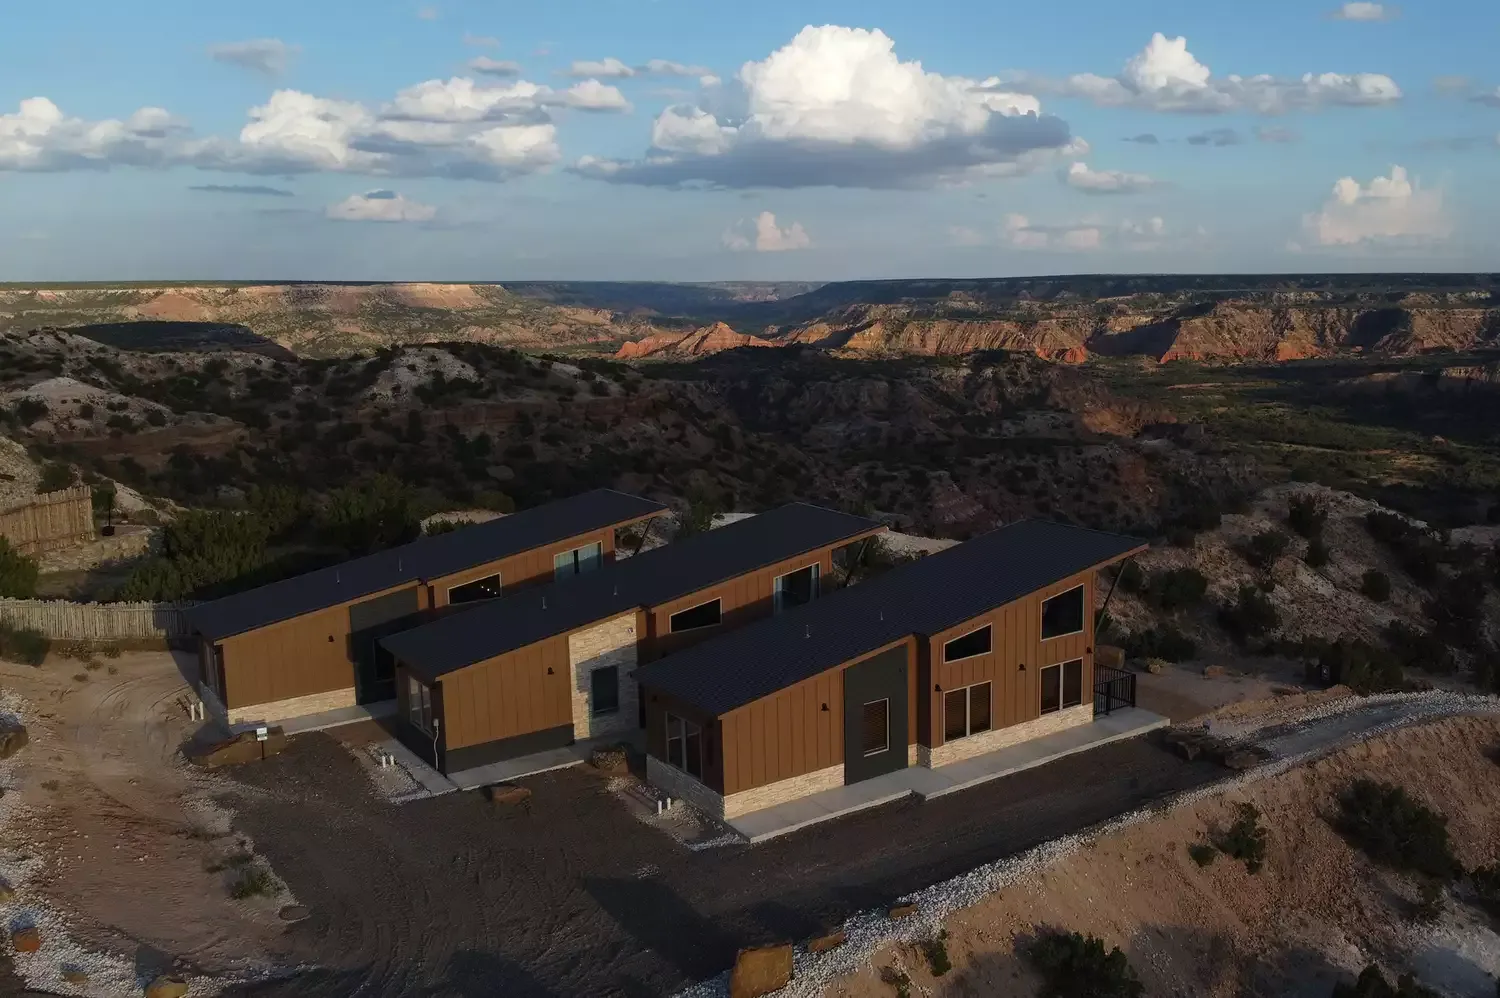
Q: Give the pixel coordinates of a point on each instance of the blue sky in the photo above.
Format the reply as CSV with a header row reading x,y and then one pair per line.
x,y
706,140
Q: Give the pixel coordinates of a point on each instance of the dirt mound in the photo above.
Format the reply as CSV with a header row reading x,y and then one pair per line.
x,y
1316,913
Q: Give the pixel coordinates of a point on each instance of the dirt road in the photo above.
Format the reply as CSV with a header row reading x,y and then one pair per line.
x,y
575,897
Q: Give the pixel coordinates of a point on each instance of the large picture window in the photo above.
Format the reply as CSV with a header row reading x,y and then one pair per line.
x,y
604,690
695,617
471,592
968,645
1062,686
685,746
577,561
419,705
966,711
796,588
1063,614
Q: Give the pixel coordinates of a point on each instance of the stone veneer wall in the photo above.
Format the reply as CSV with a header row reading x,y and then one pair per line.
x,y
610,643
682,786
993,741
280,710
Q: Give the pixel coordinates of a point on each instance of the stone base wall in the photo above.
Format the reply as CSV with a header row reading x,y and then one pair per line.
x,y
782,791
683,787
280,710
993,741
612,643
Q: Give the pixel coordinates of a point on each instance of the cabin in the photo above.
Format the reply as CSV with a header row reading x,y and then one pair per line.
x,y
310,644
543,669
982,646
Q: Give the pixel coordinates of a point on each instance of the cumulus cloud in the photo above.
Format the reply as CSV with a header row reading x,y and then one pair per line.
x,y
1088,235
1081,178
380,206
835,106
254,189
486,66
1145,139
1217,137
270,56
1389,210
764,235
1165,76
617,69
1281,136
39,137
1361,10
1490,98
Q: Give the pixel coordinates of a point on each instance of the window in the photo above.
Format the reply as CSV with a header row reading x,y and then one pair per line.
x,y
604,690
966,711
685,746
968,645
1062,686
694,617
876,727
577,561
796,588
418,705
470,592
1063,614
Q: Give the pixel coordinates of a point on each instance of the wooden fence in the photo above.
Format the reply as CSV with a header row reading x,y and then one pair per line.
x,y
65,621
52,520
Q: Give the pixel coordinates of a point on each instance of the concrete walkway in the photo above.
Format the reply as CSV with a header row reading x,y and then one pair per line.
x,y
325,719
923,783
433,783
537,762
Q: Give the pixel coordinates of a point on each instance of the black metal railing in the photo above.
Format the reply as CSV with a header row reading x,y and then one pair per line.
x,y
1113,689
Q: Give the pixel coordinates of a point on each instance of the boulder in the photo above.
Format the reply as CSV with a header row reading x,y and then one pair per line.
x,y
75,975
167,986
610,760
7,892
1156,666
1214,672
26,940
293,913
822,944
1241,760
1110,656
507,793
902,911
12,738
761,970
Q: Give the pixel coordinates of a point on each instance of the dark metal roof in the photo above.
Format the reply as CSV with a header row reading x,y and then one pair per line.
x,y
649,579
925,597
425,558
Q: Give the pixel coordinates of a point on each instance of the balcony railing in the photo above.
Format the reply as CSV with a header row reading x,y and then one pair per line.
x,y
1113,689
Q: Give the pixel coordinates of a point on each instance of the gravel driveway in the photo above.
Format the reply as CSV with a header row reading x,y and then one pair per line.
x,y
573,896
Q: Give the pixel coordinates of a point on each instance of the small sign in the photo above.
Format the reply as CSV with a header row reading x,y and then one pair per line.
x,y
262,733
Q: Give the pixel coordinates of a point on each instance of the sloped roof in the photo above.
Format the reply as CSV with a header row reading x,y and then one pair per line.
x,y
648,579
425,558
925,597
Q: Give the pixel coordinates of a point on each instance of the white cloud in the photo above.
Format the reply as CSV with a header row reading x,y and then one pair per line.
x,y
270,56
1165,76
765,236
1361,10
380,206
38,136
1085,236
1081,178
617,69
461,99
1490,98
494,67
836,107
481,41
429,13
1391,210
591,95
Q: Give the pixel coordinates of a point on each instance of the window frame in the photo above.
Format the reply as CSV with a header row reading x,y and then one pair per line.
x,y
594,710
989,645
1062,686
499,589
672,628
869,753
1083,612
969,696
685,730
778,593
419,705
575,562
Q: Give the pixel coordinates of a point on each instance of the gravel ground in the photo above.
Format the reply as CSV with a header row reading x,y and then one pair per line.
x,y
572,895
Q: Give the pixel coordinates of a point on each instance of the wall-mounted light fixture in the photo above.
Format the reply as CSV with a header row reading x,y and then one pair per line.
x,y
1023,667
825,708
549,670
937,687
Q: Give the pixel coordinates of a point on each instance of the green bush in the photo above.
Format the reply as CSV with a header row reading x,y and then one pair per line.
x,y
23,646
1414,648
1361,667
1317,553
1376,585
1073,965
1391,828
1372,984
1131,578
1251,615
1486,883
1173,590
55,477
1264,548
1166,643
1202,853
935,950
1306,515
253,881
18,573
1245,840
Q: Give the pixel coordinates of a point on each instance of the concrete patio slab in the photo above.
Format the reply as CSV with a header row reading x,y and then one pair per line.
x,y
531,765
433,783
325,719
925,783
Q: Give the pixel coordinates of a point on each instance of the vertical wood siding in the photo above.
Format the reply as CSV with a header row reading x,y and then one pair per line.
x,y
509,695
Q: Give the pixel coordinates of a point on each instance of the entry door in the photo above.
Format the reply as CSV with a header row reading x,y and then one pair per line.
x,y
374,669
875,716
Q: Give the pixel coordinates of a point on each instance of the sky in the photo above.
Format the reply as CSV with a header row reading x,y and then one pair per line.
x,y
698,140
